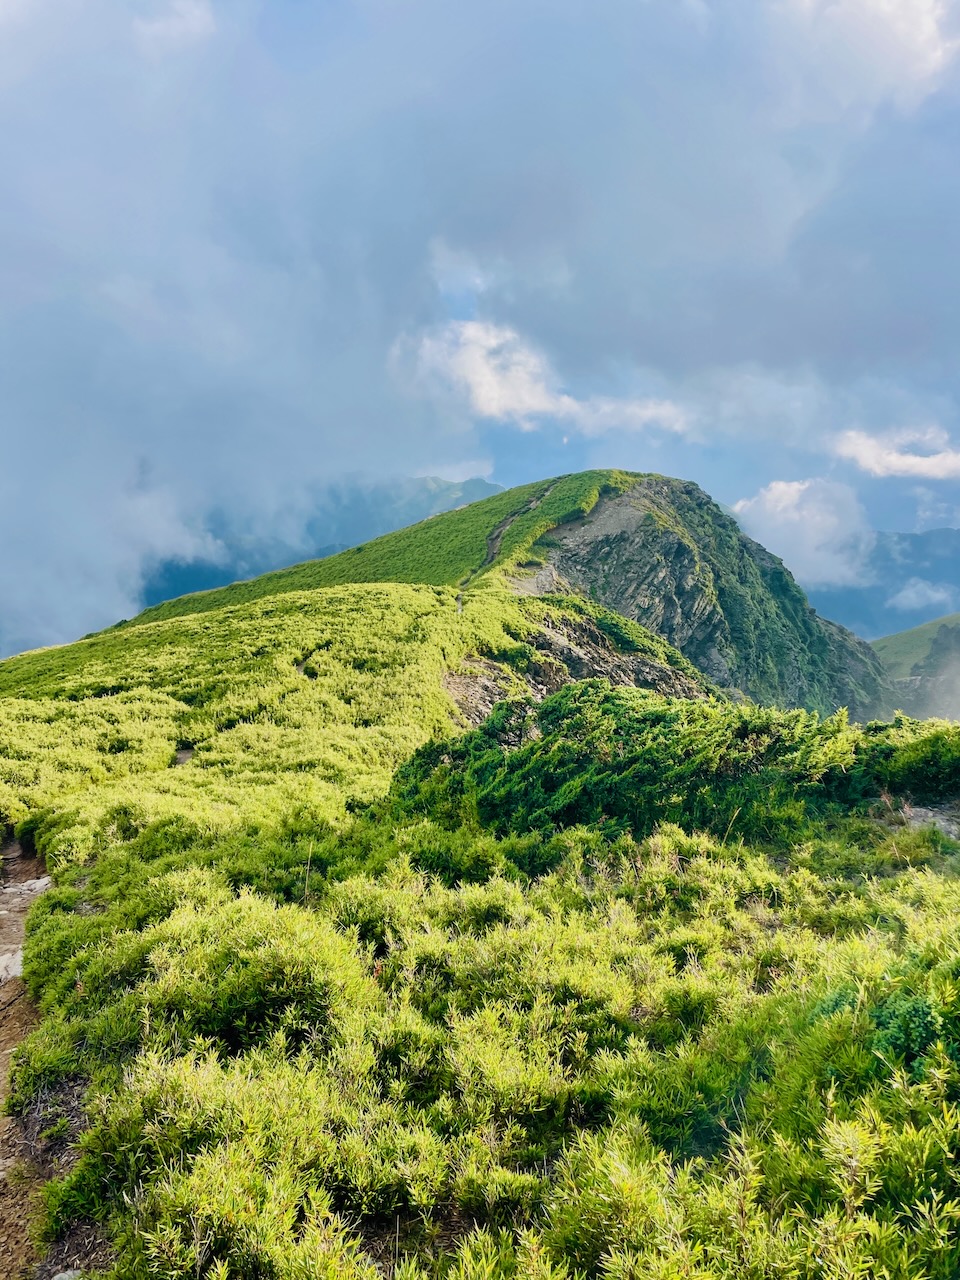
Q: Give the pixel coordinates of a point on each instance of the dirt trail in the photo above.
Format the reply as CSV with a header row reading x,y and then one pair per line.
x,y
495,536
495,539
24,879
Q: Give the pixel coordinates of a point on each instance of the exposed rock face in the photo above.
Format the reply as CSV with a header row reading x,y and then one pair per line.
x,y
477,687
571,649
579,650
669,558
622,556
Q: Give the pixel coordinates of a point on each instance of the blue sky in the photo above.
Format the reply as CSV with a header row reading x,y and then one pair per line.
x,y
246,248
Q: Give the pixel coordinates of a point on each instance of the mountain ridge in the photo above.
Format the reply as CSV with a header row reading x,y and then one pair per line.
x,y
735,610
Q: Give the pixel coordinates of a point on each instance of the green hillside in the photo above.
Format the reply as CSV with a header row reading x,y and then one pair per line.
x,y
445,550
925,664
657,550
341,976
304,699
266,736
511,1022
904,650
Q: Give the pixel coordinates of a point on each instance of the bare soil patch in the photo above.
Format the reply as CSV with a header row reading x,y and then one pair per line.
x,y
945,817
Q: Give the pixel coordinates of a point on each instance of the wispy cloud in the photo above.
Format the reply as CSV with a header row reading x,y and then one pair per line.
x,y
177,24
933,511
817,526
918,593
890,46
890,455
502,378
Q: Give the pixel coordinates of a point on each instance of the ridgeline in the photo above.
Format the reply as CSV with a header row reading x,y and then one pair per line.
x,y
656,550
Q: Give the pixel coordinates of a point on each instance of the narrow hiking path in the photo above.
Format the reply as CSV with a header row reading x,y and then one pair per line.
x,y
495,539
24,879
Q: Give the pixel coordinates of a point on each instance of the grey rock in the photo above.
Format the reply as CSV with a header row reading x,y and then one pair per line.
x,y
668,557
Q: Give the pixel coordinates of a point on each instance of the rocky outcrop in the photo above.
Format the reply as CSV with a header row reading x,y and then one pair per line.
x,y
649,571
566,649
476,687
666,556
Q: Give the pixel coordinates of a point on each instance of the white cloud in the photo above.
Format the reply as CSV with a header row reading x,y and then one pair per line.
x,y
180,23
504,379
917,593
817,527
888,455
861,51
933,512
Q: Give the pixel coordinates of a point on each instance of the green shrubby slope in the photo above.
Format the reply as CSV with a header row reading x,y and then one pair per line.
x,y
306,700
630,760
509,1022
51,748
617,985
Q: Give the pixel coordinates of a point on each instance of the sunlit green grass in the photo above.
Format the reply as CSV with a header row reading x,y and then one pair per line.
x,y
615,986
548,1054
445,550
521,1017
307,700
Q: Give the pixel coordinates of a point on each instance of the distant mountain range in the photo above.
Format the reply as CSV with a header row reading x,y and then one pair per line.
x,y
909,579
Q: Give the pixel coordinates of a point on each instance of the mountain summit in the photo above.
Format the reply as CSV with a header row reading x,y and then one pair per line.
x,y
665,555
656,550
